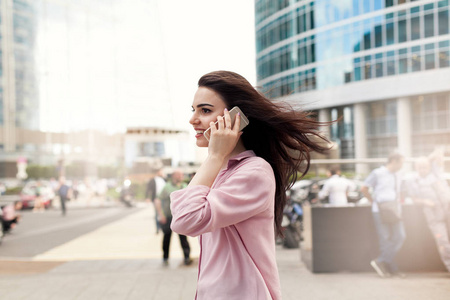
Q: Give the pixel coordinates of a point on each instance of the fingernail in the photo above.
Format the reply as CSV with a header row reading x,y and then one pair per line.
x,y
226,109
239,114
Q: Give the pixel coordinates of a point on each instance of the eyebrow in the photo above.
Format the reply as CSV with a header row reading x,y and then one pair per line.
x,y
204,104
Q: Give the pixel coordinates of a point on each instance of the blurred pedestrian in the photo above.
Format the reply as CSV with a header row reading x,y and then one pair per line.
x,y
236,199
162,205
2,188
154,188
336,188
425,188
64,193
38,200
10,217
386,211
75,189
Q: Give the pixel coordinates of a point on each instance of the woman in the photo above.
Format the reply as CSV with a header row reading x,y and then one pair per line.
x,y
238,193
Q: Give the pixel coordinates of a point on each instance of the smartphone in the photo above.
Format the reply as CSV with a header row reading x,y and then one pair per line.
x,y
233,113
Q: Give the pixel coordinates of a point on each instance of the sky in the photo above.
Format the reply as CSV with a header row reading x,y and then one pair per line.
x,y
162,49
213,35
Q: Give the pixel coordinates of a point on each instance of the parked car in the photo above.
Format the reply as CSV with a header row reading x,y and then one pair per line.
x,y
31,191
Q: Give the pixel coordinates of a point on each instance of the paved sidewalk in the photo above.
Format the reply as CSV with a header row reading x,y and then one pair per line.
x,y
122,261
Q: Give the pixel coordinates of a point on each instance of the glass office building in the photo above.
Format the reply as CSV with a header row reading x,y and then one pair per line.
x,y
381,65
90,66
19,103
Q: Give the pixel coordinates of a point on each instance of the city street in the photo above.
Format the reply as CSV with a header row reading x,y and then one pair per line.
x,y
114,253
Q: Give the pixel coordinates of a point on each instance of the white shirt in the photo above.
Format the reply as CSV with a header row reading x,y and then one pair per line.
x,y
336,188
159,183
385,186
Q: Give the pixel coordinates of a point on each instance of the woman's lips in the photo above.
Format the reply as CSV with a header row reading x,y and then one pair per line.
x,y
199,133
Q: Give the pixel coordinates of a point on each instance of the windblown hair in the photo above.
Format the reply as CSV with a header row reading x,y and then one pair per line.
x,y
284,137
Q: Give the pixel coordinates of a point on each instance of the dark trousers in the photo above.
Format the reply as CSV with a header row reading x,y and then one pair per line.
x,y
63,205
7,224
166,240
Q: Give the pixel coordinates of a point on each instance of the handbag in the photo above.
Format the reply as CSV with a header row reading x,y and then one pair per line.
x,y
389,211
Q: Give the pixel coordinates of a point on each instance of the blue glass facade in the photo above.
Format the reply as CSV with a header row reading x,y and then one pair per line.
x,y
315,45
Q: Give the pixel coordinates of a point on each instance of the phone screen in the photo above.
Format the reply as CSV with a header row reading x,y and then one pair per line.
x,y
233,112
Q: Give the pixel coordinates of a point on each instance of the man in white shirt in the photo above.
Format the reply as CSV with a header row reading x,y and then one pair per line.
x,y
385,184
336,188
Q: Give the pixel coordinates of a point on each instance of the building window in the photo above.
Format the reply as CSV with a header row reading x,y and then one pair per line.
x,y
431,113
389,33
357,69
443,22
416,59
415,28
342,132
367,67
367,34
390,64
389,3
429,57
379,65
428,24
444,54
402,37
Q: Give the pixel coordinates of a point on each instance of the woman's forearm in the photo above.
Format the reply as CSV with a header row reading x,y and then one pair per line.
x,y
208,171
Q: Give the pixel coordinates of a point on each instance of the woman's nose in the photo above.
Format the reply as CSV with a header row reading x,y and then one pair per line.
x,y
194,120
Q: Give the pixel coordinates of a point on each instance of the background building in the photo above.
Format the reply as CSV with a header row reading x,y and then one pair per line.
x,y
19,103
381,65
74,76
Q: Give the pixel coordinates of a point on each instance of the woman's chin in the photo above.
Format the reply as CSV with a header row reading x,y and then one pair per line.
x,y
202,142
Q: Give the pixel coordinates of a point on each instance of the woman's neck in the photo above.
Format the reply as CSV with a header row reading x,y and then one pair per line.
x,y
238,149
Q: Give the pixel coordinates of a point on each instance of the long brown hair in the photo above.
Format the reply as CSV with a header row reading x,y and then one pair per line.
x,y
284,137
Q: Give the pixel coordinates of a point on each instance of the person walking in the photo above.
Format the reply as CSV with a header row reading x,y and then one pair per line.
x,y
336,188
9,217
162,205
38,201
64,193
154,188
235,201
425,188
385,184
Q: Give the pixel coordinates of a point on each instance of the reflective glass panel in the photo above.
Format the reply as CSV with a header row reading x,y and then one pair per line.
x,y
367,34
356,7
389,33
429,61
378,36
444,59
367,67
415,28
367,5
429,25
443,22
416,59
402,31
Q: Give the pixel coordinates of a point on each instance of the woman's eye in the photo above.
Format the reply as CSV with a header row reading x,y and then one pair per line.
x,y
205,110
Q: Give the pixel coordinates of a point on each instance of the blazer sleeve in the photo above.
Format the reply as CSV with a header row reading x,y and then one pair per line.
x,y
199,209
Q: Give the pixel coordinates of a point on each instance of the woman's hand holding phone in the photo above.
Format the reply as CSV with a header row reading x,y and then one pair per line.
x,y
224,137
